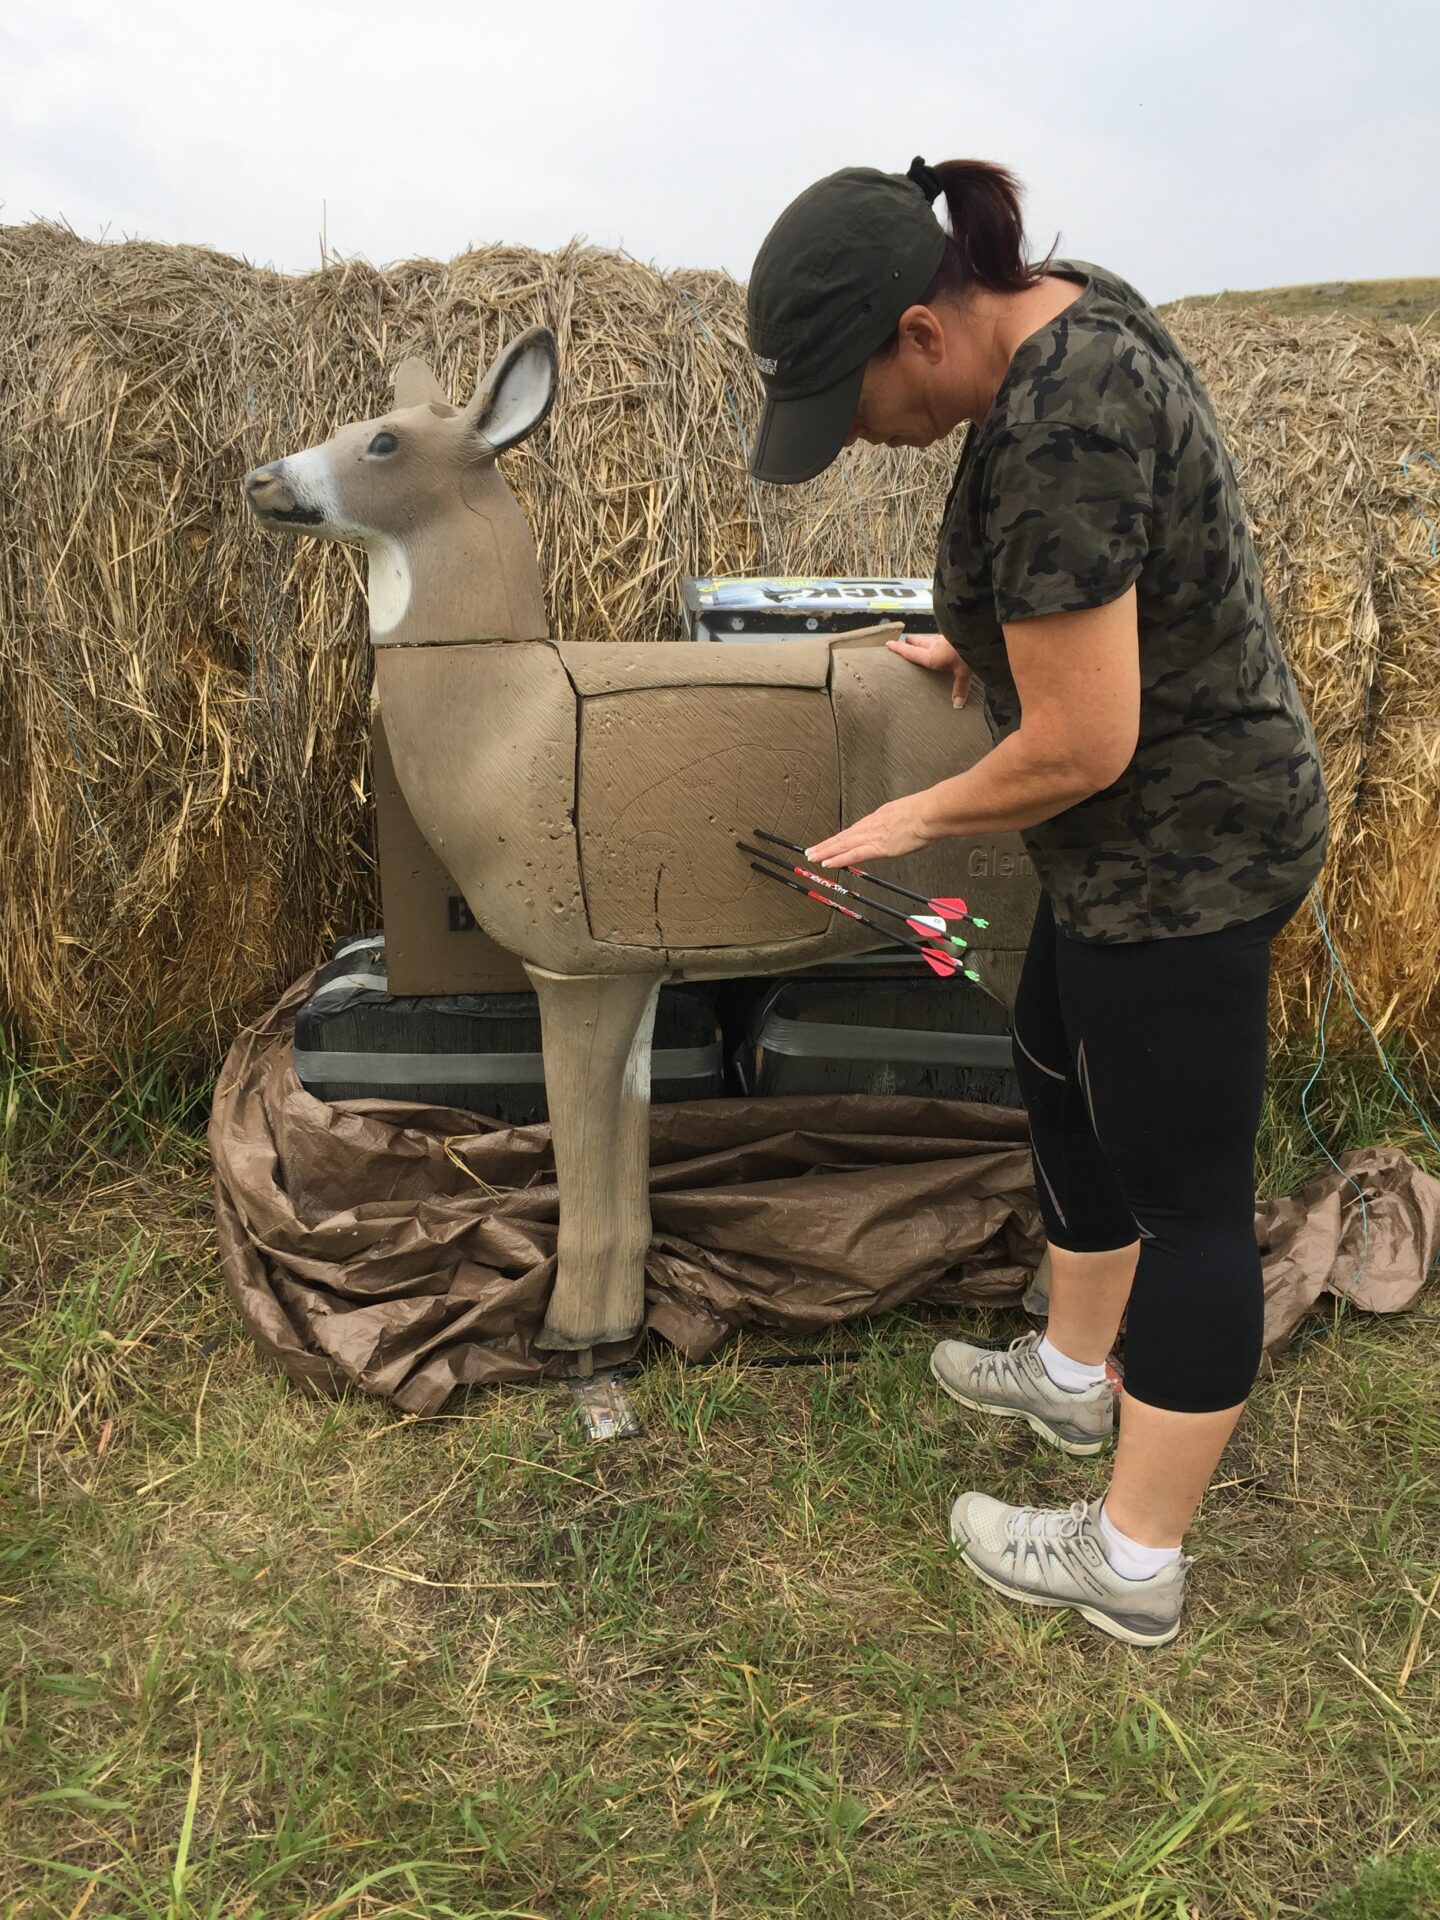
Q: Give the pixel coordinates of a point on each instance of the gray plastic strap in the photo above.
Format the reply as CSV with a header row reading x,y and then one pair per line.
x,y
374,941
477,1069
817,1040
347,983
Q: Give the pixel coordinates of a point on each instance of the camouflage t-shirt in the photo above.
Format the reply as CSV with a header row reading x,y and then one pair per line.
x,y
1100,466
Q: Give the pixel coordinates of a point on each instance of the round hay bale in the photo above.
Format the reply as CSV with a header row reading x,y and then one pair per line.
x,y
183,699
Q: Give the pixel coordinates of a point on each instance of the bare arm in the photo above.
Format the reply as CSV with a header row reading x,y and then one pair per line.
x,y
1078,677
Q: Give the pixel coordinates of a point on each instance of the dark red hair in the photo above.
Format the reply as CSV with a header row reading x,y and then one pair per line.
x,y
985,236
985,246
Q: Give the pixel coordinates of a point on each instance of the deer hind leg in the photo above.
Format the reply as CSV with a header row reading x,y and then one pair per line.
x,y
596,1035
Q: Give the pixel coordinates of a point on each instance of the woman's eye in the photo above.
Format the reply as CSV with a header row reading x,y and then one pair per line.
x,y
383,443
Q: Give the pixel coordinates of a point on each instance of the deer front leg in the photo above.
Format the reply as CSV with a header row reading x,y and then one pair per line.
x,y
595,1032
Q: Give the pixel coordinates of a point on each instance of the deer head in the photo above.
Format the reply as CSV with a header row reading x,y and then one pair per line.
x,y
450,555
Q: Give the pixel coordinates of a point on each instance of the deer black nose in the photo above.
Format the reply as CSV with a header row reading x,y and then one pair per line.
x,y
268,494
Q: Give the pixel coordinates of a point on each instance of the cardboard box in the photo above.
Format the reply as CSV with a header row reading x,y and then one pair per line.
x,y
433,944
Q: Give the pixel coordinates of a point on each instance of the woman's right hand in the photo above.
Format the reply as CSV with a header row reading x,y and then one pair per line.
x,y
930,650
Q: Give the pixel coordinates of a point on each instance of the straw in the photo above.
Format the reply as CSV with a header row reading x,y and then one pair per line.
x,y
183,698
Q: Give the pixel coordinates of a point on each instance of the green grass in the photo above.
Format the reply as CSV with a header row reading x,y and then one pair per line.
x,y
1391,1889
1409,301
271,1656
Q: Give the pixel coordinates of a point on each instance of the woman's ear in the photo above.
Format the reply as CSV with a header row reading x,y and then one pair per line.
x,y
922,331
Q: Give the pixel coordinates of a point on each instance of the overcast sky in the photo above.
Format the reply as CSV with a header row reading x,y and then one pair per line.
x,y
1189,144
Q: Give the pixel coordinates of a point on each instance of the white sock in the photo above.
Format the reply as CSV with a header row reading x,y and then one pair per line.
x,y
1073,1375
1127,1557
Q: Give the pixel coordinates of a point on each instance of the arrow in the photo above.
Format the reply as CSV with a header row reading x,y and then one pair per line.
x,y
930,925
944,964
947,909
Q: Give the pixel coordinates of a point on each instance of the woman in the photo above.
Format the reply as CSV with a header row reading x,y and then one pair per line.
x,y
1095,574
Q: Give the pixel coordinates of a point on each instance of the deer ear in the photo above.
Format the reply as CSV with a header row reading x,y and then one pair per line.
x,y
415,385
516,394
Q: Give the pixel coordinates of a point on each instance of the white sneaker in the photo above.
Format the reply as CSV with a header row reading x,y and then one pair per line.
x,y
1055,1559
1012,1382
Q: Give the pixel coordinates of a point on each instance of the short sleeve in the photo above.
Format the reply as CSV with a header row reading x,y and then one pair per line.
x,y
1066,515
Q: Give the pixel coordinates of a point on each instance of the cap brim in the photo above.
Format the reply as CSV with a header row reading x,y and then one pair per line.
x,y
799,438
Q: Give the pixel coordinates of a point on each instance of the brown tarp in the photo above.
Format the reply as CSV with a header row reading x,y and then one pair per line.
x,y
409,1250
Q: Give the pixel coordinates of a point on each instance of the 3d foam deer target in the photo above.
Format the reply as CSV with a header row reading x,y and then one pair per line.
x,y
588,799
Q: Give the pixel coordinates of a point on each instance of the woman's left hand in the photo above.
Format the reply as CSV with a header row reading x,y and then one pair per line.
x,y
897,827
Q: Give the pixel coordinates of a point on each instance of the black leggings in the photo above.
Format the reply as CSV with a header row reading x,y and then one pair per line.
x,y
1143,1067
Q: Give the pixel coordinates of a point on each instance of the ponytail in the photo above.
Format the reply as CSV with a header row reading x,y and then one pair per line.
x,y
985,244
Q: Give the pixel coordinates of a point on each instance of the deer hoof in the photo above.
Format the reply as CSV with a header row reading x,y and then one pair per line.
x,y
553,1340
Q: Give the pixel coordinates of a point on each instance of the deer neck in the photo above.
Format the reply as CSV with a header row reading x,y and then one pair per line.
x,y
468,573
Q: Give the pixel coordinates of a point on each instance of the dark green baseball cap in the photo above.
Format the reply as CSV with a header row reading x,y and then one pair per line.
x,y
829,284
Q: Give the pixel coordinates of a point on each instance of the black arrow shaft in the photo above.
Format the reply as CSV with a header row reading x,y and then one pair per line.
x,y
850,893
876,879
838,906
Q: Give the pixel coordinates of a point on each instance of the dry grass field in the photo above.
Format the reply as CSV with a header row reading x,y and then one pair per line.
x,y
1410,302
266,1656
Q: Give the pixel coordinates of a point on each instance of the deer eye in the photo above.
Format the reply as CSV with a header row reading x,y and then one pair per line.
x,y
383,443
